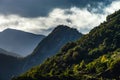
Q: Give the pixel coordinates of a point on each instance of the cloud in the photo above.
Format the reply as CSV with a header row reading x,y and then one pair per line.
x,y
35,8
113,7
81,18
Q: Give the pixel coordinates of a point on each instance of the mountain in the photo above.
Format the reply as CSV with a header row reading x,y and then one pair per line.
x,y
9,53
9,66
22,43
50,45
96,56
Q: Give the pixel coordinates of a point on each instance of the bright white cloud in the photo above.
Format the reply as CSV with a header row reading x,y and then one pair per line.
x,y
82,19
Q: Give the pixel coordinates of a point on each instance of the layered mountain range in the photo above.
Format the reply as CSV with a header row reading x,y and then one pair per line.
x,y
48,47
19,42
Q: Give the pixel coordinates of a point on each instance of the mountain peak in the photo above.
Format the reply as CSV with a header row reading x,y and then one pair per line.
x,y
9,29
59,36
50,45
63,29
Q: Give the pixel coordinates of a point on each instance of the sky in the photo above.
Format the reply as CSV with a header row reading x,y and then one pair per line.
x,y
42,16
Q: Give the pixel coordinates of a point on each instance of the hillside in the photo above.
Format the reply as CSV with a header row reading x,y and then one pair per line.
x,y
50,45
9,66
9,53
22,43
96,56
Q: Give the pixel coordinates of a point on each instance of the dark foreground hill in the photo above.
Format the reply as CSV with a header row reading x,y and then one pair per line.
x,y
9,66
96,56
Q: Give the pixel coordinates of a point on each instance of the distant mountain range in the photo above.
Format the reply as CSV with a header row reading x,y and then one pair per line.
x,y
19,42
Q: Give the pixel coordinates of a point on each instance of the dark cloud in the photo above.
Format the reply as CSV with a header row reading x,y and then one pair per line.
x,y
35,8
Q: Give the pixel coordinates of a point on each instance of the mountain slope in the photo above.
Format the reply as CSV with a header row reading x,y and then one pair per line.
x,y
9,53
19,42
9,66
96,56
51,45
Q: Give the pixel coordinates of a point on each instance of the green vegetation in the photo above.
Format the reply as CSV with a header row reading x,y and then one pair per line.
x,y
96,56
